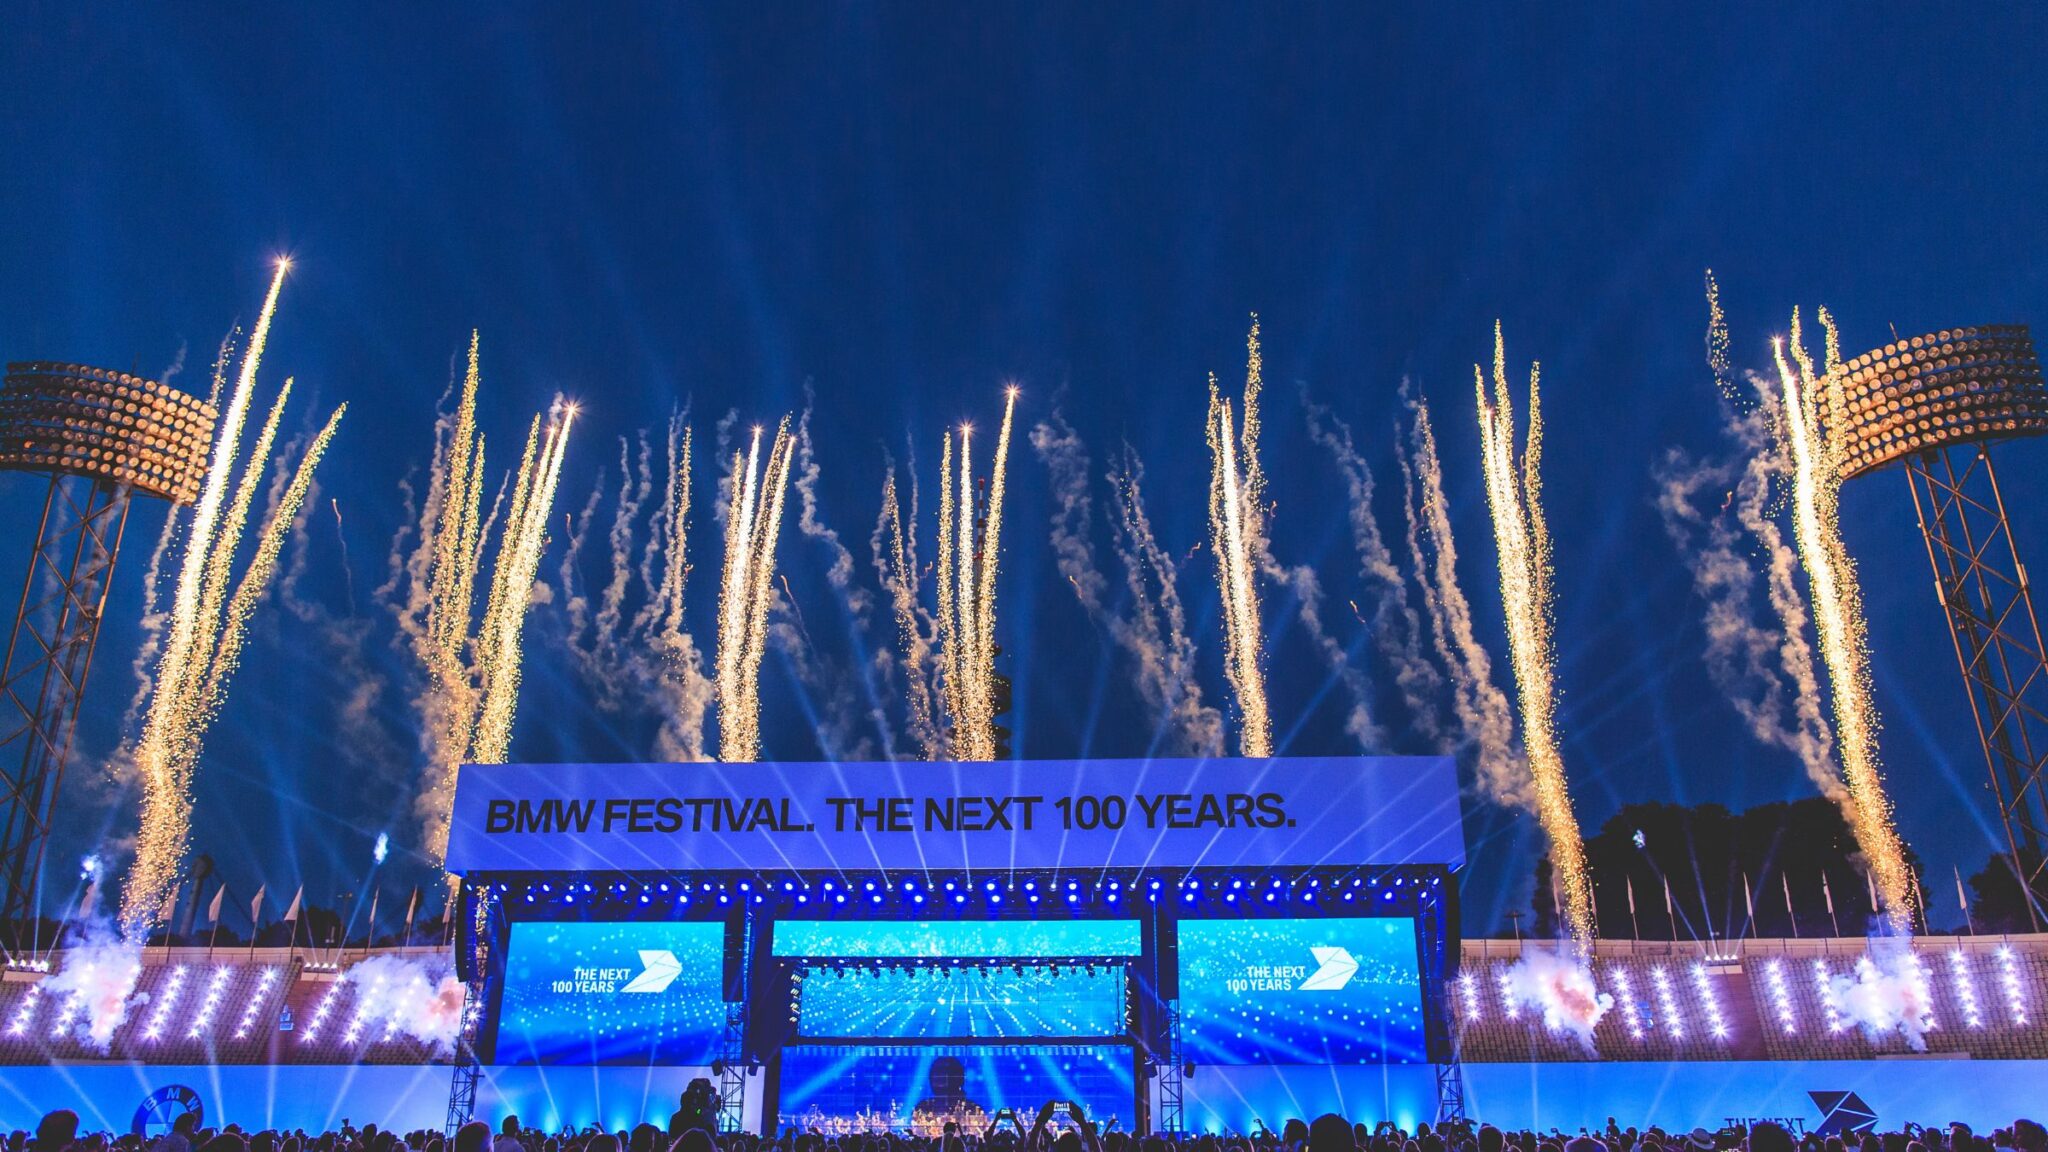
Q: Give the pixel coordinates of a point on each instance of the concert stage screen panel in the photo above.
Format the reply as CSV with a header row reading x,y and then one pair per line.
x,y
839,1090
1032,1001
935,939
1312,991
611,993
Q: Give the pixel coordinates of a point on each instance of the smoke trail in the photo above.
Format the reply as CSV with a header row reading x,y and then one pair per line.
x,y
895,559
1481,707
1514,494
1766,673
1396,628
1158,622
1236,535
1838,610
200,652
1153,631
826,679
94,990
363,741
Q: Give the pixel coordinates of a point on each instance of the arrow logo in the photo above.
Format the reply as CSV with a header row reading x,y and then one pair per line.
x,y
660,970
1334,970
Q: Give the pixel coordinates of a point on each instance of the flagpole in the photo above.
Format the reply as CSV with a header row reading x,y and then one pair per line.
x,y
1969,921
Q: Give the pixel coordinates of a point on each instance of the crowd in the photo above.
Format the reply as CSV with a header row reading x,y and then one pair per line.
x,y
690,1129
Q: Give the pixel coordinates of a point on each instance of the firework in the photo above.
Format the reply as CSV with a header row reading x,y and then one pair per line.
x,y
1237,535
1481,707
895,552
473,668
1514,495
969,560
1838,608
207,624
752,525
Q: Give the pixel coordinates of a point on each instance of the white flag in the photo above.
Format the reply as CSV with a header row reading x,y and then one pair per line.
x,y
1827,893
372,930
92,898
1870,886
256,905
1668,913
1631,896
1748,903
411,907
292,913
213,909
1962,901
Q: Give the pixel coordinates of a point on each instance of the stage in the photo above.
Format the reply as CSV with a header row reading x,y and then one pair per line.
x,y
844,947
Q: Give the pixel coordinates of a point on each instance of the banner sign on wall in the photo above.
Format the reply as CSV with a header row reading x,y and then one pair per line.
x,y
1339,811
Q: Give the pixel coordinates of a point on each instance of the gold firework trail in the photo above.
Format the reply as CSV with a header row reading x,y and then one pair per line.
x,y
1838,608
899,578
1514,495
203,650
969,560
753,523
473,668
1237,535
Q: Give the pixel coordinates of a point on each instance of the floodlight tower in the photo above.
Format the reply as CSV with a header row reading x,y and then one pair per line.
x,y
99,437
1935,403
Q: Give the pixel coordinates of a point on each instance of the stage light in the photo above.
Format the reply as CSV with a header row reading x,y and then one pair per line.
x,y
1034,897
1781,996
1667,1002
249,1009
25,1013
1231,897
1507,991
2009,980
746,885
1271,896
1716,1023
839,897
919,897
1387,896
1031,885
166,1000
995,898
1350,896
788,886
869,886
949,885
1309,895
1468,990
1966,988
989,887
724,899
959,898
1236,883
1155,885
1823,978
1073,898
664,886
1626,996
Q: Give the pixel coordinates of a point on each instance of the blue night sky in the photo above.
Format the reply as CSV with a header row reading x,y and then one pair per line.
x,y
906,206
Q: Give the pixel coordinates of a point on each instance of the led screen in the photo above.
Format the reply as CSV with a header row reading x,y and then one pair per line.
x,y
949,938
837,1091
647,993
1337,991
1028,1000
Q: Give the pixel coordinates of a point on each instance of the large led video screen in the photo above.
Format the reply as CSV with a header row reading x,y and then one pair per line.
x,y
840,1091
1319,991
947,1002
953,938
612,993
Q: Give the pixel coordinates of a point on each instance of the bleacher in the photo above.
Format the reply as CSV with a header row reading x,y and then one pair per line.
x,y
234,1006
1762,1000
1750,1000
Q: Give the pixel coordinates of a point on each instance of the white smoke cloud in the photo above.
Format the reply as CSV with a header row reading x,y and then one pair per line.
x,y
1560,987
95,989
1886,994
412,996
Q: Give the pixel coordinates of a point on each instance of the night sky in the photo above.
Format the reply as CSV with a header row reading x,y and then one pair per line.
x,y
906,206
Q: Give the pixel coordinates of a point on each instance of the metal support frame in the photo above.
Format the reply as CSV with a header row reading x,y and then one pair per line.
x,y
1172,1086
468,1072
732,1055
42,680
1984,591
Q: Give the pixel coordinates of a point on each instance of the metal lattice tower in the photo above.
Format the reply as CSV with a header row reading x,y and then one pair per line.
x,y
1935,403
99,437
